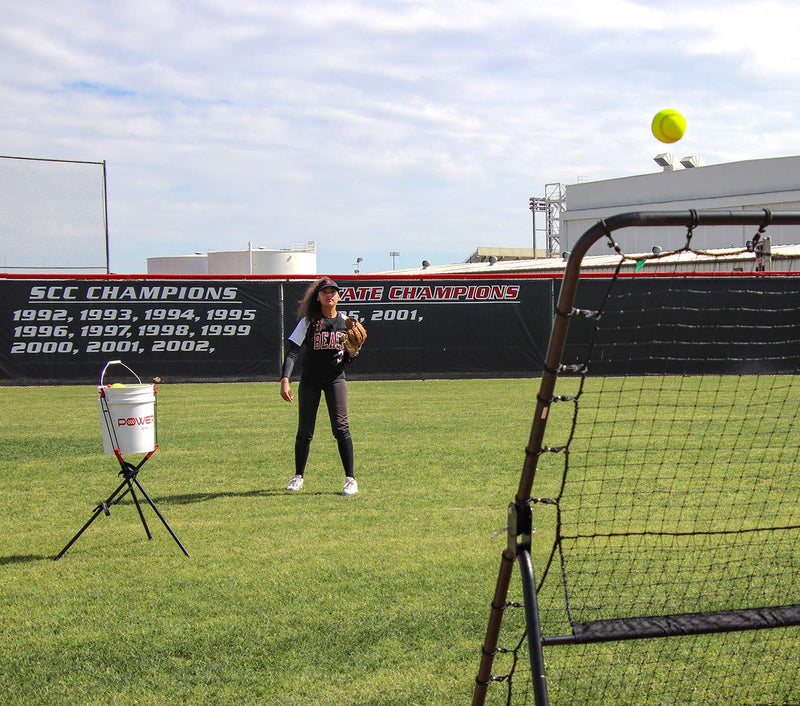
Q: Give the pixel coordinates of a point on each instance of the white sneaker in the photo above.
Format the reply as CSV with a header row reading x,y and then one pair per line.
x,y
296,483
350,486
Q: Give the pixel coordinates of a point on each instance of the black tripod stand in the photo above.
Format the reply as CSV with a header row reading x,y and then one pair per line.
x,y
129,479
112,444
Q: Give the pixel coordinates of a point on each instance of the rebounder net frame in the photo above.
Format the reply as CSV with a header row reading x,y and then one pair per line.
x,y
659,496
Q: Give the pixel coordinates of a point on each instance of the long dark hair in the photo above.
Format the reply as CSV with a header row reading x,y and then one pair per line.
x,y
309,305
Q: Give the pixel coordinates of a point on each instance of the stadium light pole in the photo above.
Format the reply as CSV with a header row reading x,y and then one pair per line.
x,y
393,254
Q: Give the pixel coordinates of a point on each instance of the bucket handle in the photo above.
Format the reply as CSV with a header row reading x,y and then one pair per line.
x,y
117,362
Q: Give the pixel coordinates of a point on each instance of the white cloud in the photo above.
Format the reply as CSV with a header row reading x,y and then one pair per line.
x,y
763,34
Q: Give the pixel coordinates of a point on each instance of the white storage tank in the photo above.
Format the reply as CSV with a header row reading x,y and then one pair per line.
x,y
284,262
232,262
260,261
196,264
300,259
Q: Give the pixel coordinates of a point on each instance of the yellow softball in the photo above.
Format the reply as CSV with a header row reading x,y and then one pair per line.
x,y
668,125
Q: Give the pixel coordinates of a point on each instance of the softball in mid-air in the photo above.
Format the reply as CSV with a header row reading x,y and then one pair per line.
x,y
668,125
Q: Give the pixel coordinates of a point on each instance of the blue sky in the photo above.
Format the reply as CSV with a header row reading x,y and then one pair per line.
x,y
421,127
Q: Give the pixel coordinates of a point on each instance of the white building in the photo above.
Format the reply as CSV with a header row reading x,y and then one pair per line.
x,y
737,186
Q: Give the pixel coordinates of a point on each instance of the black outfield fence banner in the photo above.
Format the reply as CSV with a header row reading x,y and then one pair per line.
x,y
56,329
445,327
63,329
656,340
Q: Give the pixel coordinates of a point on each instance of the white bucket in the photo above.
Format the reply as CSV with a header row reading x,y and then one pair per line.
x,y
128,418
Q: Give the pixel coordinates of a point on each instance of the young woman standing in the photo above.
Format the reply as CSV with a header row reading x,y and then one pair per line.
x,y
318,339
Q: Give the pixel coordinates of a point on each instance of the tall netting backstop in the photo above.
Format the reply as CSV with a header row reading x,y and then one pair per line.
x,y
53,216
656,526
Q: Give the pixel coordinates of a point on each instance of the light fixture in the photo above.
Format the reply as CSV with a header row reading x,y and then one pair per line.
x,y
492,259
425,264
657,250
565,255
665,160
691,161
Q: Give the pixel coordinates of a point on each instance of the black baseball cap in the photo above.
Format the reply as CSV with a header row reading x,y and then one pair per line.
x,y
326,282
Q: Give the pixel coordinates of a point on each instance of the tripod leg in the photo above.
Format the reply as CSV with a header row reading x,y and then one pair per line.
x,y
102,507
139,510
129,472
160,516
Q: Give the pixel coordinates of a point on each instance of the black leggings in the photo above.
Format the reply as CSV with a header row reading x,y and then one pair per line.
x,y
308,398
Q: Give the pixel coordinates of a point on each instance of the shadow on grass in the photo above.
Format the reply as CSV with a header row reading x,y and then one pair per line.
x,y
205,497
23,558
191,498
187,499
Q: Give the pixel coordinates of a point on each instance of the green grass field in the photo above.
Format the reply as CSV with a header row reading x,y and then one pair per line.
x,y
307,598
